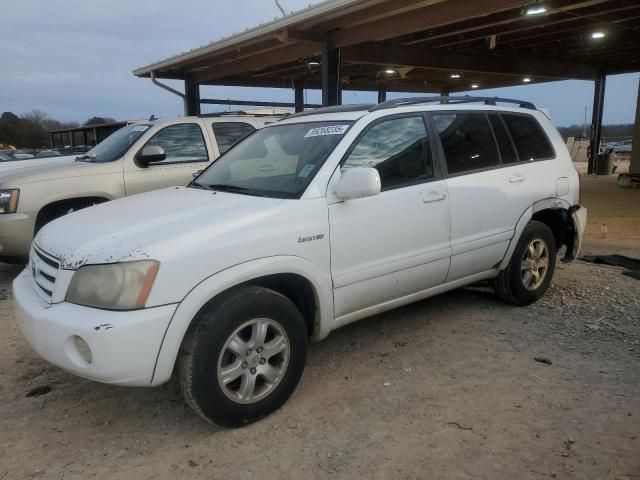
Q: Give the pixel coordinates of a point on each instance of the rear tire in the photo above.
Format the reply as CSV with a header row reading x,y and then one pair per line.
x,y
244,356
531,268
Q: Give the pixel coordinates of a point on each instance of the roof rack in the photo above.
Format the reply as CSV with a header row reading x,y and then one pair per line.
x,y
241,113
357,107
404,102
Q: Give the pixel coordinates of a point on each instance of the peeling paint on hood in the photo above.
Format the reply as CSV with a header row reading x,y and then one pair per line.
x,y
151,225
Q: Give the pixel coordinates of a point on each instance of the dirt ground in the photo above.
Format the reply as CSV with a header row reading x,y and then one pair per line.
x,y
447,388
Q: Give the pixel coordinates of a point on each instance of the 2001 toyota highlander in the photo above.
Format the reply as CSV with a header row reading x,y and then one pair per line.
x,y
309,224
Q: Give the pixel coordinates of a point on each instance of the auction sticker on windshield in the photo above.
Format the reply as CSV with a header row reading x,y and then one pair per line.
x,y
328,130
140,128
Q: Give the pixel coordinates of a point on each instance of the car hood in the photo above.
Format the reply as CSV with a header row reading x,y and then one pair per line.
x,y
152,225
29,171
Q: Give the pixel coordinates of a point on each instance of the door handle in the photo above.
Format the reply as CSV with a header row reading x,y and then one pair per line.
x,y
266,168
517,178
432,197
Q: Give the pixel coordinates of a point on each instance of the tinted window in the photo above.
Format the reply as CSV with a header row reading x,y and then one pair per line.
x,y
398,148
229,133
529,138
467,141
507,153
182,143
278,161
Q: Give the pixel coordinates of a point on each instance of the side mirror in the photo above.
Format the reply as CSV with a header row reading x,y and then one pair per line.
x,y
359,182
150,154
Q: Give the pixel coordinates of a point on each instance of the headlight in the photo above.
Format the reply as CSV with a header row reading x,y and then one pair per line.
x,y
9,200
121,286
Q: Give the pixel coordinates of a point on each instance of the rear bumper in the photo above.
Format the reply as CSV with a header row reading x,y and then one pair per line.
x,y
124,346
576,223
16,234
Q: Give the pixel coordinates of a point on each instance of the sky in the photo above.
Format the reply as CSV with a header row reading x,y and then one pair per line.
x,y
73,59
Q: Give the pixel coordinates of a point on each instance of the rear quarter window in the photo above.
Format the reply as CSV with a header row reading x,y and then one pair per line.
x,y
529,138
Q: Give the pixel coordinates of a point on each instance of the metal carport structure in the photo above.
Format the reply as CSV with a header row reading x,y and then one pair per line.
x,y
438,46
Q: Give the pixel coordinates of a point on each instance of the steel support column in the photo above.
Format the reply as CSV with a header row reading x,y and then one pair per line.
x,y
382,93
331,91
596,120
634,167
298,97
192,98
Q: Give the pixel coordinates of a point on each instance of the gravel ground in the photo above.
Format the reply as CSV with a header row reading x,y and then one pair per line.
x,y
445,388
461,386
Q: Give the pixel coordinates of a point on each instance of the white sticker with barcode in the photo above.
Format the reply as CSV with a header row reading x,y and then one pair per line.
x,y
140,128
328,130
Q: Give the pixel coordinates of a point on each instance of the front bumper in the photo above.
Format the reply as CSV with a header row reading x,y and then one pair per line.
x,y
16,234
124,345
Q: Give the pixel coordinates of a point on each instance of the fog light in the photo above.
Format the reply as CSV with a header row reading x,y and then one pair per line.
x,y
83,349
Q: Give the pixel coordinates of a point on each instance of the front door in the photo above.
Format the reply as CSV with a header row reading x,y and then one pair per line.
x,y
395,243
186,150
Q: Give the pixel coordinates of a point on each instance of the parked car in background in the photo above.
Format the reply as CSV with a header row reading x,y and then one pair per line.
x,y
137,158
47,153
622,147
307,225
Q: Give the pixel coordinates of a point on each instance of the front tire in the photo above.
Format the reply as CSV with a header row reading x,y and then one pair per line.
x,y
531,268
244,356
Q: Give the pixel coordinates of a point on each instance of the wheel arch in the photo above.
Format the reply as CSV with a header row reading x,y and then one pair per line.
x,y
553,212
294,277
52,205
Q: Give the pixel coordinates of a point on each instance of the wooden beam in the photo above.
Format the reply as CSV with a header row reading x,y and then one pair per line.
x,y
284,54
383,54
413,21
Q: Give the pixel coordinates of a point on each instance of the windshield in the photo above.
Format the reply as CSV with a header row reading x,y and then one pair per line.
x,y
278,161
115,145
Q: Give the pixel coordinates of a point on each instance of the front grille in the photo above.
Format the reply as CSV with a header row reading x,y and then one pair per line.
x,y
44,269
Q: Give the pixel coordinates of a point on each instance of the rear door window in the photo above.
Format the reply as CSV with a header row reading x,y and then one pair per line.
x,y
529,138
229,133
467,141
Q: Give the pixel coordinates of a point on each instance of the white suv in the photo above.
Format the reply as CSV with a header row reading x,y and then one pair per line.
x,y
309,224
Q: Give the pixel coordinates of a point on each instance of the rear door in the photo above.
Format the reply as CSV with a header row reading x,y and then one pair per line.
x,y
187,152
486,200
395,243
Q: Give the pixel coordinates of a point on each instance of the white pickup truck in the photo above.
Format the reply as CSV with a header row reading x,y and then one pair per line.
x,y
138,158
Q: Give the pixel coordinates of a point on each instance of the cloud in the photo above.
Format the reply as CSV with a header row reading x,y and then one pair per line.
x,y
73,58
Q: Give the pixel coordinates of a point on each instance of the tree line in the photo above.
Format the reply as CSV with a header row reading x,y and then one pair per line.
x,y
614,131
31,130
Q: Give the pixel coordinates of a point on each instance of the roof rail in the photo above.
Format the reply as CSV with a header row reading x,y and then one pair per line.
x,y
404,102
335,109
241,113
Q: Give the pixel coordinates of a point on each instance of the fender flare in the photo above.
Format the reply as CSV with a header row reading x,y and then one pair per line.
x,y
222,281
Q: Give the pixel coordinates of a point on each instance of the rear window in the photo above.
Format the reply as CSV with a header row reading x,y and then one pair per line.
x,y
467,141
229,133
530,140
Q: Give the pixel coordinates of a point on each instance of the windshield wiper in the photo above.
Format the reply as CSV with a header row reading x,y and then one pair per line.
x,y
235,189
